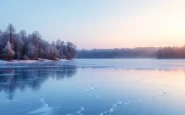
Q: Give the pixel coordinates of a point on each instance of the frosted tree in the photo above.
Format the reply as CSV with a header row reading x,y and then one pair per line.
x,y
18,45
60,45
10,31
8,52
25,42
1,43
1,32
32,46
71,50
52,52
35,39
31,51
62,49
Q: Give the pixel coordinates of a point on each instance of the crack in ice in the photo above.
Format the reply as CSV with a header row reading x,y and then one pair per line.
x,y
91,87
44,110
79,112
140,80
114,106
163,94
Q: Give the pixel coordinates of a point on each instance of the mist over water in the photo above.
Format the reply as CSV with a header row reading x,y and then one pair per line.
x,y
94,87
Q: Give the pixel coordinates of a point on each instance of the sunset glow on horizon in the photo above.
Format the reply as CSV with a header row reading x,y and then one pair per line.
x,y
101,23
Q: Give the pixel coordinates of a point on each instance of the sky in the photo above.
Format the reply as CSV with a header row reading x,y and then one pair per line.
x,y
100,24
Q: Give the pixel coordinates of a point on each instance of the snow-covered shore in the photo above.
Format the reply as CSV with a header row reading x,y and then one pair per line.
x,y
27,63
33,61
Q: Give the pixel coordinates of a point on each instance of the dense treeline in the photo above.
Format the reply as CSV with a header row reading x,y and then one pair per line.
x,y
22,46
171,52
148,52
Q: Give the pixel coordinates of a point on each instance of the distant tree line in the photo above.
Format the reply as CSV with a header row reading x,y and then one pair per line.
x,y
31,46
140,52
171,52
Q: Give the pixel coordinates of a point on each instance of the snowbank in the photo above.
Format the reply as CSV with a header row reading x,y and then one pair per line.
x,y
33,63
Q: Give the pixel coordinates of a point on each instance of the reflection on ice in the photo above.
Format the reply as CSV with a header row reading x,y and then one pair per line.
x,y
3,83
12,79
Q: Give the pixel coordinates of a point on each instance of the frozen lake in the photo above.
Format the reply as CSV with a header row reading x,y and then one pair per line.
x,y
93,87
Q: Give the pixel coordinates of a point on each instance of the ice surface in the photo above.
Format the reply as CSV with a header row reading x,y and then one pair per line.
x,y
122,87
97,97
10,101
137,64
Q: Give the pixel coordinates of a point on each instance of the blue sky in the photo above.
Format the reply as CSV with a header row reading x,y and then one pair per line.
x,y
99,23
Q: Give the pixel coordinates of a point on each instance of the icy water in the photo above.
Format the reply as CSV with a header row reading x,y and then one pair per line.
x,y
94,87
